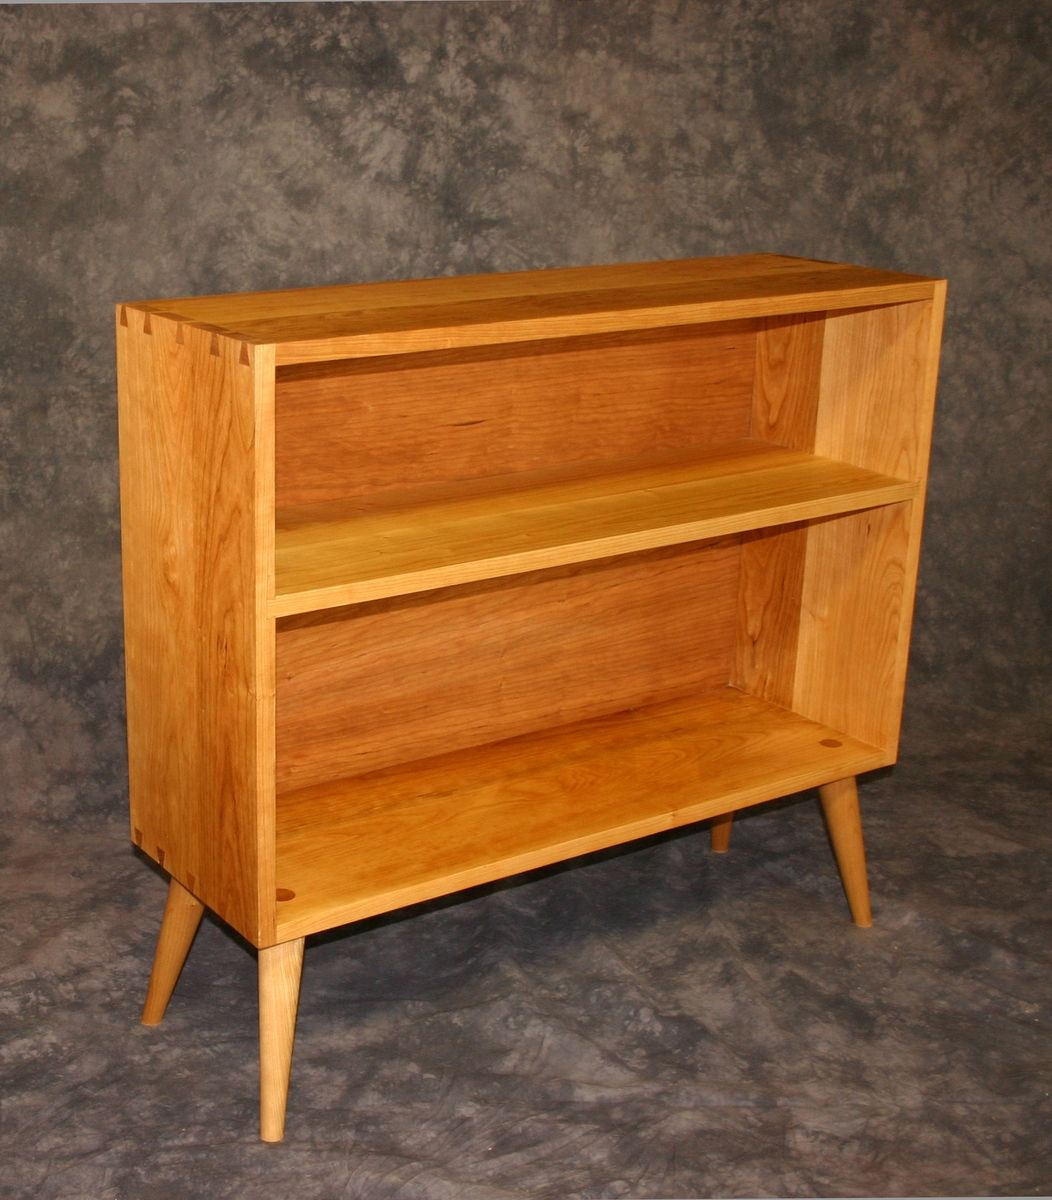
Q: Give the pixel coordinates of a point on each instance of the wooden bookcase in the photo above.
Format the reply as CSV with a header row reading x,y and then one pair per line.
x,y
429,583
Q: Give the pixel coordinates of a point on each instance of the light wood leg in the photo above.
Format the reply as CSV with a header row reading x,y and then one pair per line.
x,y
840,806
720,833
182,916
280,968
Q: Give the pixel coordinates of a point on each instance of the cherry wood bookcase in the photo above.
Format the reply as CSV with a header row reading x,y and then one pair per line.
x,y
429,583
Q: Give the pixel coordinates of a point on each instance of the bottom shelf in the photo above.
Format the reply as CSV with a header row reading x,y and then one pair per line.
x,y
358,847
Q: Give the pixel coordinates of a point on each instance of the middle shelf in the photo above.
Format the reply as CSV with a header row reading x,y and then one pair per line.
x,y
396,543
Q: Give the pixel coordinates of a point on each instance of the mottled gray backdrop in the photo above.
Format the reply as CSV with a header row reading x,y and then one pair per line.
x,y
172,149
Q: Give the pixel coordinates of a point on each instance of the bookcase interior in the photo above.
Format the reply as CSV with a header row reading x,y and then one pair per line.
x,y
394,712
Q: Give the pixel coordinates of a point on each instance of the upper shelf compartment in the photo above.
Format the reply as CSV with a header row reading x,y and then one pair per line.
x,y
348,552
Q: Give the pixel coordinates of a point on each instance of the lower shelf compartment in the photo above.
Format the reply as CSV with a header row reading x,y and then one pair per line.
x,y
371,844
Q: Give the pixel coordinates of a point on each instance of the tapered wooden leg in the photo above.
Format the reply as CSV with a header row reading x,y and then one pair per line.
x,y
182,915
720,833
280,968
840,806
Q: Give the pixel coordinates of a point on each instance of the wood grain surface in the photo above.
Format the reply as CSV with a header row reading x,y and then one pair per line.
x,y
358,847
342,553
314,324
356,427
196,524
381,683
875,409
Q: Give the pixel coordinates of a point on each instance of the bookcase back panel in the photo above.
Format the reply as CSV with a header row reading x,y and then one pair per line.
x,y
352,428
396,680
770,592
788,374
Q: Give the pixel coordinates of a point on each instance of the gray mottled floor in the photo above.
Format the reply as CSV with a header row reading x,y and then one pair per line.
x,y
658,1022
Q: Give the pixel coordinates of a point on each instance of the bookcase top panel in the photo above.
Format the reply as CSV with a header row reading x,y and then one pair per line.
x,y
363,320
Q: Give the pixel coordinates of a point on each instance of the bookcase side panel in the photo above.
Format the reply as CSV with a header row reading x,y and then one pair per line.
x,y
194,447
875,409
877,388
854,596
